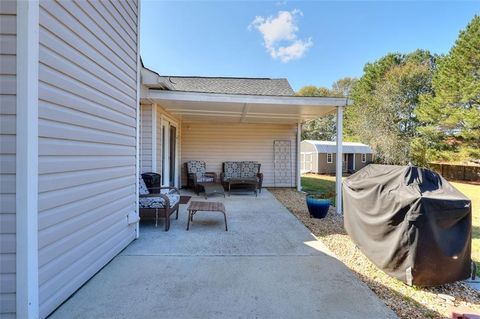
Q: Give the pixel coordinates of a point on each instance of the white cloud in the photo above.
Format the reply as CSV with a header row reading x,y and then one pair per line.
x,y
280,35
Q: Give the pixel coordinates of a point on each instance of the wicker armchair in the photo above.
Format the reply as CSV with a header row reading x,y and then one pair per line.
x,y
197,174
158,202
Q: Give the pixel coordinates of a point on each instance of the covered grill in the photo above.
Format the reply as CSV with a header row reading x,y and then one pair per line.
x,y
410,222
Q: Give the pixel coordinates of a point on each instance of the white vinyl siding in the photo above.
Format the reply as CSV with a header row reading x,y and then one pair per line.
x,y
8,108
217,143
87,141
146,138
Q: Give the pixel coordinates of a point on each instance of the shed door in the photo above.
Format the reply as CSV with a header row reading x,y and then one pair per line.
x,y
306,161
350,161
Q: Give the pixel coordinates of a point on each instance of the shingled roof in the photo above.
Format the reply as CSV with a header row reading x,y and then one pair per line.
x,y
230,85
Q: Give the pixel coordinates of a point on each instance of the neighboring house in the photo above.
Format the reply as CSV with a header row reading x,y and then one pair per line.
x,y
320,156
71,148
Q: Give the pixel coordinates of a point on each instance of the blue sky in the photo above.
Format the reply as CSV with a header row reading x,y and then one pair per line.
x,y
309,43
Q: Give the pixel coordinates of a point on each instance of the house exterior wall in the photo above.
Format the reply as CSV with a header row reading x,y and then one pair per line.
x,y
7,158
329,168
358,161
158,133
216,143
323,166
151,126
87,141
146,138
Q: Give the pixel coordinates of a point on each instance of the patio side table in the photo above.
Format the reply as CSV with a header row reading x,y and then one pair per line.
x,y
196,206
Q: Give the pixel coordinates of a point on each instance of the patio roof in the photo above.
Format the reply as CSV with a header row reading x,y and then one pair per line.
x,y
245,108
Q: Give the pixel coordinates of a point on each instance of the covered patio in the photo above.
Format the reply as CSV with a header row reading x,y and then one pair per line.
x,y
178,126
267,265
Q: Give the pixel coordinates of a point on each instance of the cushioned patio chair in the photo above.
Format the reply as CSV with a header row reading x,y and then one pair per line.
x,y
197,174
239,171
161,204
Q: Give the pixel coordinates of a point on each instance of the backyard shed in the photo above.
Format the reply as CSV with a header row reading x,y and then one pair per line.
x,y
320,156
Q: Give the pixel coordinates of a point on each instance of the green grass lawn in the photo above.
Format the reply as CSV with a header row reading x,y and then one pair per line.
x,y
473,192
318,183
324,183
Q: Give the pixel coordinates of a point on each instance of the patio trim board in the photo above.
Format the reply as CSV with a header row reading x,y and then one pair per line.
x,y
27,298
243,98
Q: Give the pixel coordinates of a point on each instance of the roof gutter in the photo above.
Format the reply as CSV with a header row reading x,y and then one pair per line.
x,y
242,98
152,79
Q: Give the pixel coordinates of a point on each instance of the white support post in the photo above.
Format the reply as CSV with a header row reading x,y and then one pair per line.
x,y
163,140
154,138
27,305
299,140
339,159
353,161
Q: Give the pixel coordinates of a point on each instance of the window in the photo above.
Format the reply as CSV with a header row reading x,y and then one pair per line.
x,y
329,158
364,158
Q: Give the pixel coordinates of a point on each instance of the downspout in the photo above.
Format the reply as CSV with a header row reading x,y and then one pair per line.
x,y
26,162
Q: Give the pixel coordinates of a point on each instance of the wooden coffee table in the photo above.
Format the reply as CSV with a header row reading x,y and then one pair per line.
x,y
251,184
197,206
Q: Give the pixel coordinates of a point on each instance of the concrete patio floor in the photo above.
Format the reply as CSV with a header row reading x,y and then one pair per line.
x,y
267,265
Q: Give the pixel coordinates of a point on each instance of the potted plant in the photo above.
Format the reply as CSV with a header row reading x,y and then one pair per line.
x,y
318,203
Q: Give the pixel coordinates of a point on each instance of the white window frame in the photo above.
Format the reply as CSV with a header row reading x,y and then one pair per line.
x,y
364,158
166,121
331,158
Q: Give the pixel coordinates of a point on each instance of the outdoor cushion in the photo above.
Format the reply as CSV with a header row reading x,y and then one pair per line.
x,y
232,169
240,169
249,169
158,202
196,167
247,179
143,190
205,179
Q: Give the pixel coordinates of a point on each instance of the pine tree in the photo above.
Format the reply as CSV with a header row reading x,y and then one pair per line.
x,y
451,115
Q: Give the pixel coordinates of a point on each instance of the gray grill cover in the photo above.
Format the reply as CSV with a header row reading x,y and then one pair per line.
x,y
410,222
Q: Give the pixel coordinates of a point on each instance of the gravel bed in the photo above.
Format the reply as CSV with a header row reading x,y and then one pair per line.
x,y
407,302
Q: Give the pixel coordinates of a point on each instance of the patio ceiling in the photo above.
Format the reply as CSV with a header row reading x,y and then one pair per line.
x,y
237,108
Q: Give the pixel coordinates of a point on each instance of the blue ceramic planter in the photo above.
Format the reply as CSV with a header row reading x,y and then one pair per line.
x,y
318,207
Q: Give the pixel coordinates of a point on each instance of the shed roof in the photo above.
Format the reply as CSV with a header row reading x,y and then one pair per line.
x,y
348,147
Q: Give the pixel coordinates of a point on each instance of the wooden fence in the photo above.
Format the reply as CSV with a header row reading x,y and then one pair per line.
x,y
457,172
